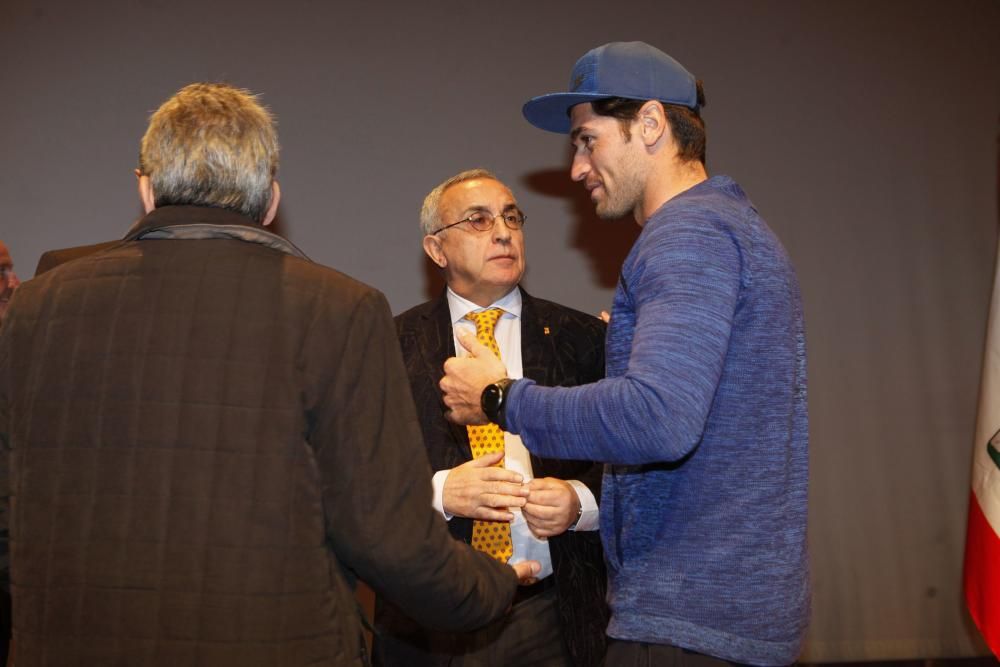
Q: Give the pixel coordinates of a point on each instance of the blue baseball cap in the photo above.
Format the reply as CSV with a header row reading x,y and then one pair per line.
x,y
634,70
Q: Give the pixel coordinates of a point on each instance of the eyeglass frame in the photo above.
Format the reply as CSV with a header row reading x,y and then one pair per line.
x,y
493,220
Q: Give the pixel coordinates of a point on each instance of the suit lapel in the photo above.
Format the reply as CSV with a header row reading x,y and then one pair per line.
x,y
539,361
537,353
437,345
437,339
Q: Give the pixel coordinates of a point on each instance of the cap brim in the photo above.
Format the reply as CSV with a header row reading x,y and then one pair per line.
x,y
551,112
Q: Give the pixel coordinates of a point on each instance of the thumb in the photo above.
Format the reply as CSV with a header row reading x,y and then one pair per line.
x,y
472,344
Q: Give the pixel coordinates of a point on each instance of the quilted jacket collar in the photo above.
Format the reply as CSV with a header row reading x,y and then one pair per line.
x,y
203,222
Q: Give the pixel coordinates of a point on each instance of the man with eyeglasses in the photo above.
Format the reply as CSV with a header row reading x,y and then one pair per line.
x,y
8,279
487,485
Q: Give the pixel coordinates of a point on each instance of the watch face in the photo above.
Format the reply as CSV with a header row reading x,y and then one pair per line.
x,y
491,400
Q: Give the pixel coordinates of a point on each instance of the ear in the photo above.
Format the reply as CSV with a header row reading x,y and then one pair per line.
x,y
653,124
272,208
146,195
432,246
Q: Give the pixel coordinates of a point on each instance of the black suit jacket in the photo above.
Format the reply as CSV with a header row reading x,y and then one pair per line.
x,y
559,347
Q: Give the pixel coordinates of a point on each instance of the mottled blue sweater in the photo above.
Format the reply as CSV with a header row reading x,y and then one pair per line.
x,y
702,420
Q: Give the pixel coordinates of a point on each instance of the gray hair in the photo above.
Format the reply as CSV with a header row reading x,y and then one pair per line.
x,y
212,144
429,214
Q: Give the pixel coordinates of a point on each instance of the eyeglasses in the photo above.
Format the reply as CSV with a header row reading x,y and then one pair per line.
x,y
483,221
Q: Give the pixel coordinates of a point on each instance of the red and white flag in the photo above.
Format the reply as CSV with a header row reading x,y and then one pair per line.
x,y
982,542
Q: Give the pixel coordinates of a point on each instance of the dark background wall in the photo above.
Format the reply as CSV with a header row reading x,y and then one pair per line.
x,y
866,133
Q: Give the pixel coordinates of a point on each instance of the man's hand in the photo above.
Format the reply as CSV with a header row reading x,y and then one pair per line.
x,y
552,506
466,377
478,490
526,571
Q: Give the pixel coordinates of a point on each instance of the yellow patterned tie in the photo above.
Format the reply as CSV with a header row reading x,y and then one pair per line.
x,y
491,537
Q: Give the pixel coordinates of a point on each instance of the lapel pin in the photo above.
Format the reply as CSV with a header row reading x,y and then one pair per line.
x,y
546,330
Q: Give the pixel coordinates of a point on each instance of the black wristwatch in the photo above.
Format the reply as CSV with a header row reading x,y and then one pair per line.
x,y
494,401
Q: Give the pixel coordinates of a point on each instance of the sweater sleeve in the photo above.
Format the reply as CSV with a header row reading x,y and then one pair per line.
x,y
680,290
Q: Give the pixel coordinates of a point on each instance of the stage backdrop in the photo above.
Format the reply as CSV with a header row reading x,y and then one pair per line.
x,y
864,131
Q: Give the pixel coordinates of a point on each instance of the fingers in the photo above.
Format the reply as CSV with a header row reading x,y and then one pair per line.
x,y
466,417
498,500
542,521
500,480
541,513
484,513
491,460
472,490
550,499
498,497
486,470
544,529
550,492
606,316
487,460
551,507
510,490
526,571
461,394
464,379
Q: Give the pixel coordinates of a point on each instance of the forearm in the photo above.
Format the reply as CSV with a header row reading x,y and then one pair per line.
x,y
667,347
616,420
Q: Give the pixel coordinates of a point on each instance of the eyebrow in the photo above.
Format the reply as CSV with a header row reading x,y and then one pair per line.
x,y
576,133
480,208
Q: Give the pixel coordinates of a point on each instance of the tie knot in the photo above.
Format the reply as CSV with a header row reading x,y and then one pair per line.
x,y
486,320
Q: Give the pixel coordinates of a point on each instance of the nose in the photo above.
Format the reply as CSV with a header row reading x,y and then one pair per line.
x,y
580,168
13,280
501,232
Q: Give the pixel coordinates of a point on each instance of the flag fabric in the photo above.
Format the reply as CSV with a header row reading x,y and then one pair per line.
x,y
982,542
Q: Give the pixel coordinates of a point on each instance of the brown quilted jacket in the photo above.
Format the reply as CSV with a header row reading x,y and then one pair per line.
x,y
208,438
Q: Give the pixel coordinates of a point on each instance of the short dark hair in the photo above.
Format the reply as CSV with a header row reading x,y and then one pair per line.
x,y
686,123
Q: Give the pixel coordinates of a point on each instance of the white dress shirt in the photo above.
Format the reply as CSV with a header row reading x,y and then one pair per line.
x,y
516,456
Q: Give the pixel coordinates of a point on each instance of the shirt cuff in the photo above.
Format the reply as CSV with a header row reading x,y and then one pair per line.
x,y
590,519
437,501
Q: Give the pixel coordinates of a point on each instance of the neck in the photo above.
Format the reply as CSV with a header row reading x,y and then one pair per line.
x,y
666,183
482,297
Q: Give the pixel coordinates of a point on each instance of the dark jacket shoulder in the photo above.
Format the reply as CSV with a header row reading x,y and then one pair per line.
x,y
50,259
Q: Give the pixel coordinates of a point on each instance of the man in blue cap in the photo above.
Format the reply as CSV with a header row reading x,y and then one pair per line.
x,y
702,417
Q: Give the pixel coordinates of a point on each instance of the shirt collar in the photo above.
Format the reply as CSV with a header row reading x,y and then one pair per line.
x,y
460,307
